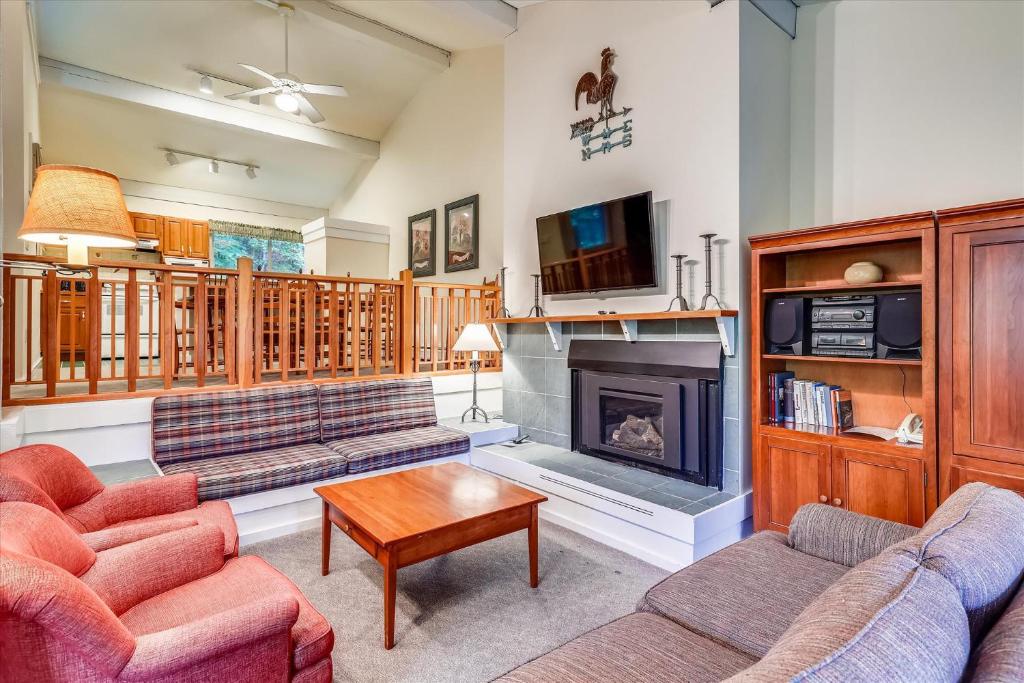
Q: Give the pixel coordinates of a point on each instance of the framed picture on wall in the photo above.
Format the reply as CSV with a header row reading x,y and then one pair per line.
x,y
462,234
423,243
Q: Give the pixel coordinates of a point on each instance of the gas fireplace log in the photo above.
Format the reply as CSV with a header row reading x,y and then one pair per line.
x,y
638,434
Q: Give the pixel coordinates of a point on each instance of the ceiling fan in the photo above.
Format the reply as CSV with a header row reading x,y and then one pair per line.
x,y
288,90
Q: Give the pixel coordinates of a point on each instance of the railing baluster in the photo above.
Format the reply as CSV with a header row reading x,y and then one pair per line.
x,y
10,301
284,325
258,339
51,353
377,331
131,329
357,330
310,353
332,330
168,335
202,334
230,314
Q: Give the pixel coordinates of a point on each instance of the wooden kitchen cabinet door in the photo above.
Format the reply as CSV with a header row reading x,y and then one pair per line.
x,y
175,237
879,485
987,365
790,473
199,239
147,226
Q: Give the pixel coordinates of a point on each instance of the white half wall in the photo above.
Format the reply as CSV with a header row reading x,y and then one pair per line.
x,y
444,146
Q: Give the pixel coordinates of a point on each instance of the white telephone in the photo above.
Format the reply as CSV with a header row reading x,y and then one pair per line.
x,y
911,429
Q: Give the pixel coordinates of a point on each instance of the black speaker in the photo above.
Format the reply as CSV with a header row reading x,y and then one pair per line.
x,y
784,324
898,331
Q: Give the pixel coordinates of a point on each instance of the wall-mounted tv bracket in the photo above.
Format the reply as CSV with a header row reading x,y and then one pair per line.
x,y
683,305
707,274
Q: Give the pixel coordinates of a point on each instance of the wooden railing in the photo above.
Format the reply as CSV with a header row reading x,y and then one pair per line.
x,y
126,329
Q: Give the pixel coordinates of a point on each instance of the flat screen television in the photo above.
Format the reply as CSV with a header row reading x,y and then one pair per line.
x,y
600,247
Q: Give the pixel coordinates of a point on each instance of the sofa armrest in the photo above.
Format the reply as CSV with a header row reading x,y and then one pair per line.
x,y
841,536
258,634
138,499
126,575
111,537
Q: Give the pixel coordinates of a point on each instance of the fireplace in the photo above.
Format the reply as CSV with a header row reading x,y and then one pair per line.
x,y
654,405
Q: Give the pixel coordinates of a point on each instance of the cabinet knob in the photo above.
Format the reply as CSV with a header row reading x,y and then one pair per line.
x,y
823,499
837,502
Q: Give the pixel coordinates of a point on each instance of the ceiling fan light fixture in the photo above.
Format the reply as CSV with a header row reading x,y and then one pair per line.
x,y
214,167
172,159
286,102
251,172
206,85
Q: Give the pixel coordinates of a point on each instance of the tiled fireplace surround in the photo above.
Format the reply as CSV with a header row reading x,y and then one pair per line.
x,y
536,379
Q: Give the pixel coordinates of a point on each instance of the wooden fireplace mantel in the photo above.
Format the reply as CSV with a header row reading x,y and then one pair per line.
x,y
725,321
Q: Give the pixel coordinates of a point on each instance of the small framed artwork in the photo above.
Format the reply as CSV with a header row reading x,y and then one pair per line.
x,y
462,234
423,243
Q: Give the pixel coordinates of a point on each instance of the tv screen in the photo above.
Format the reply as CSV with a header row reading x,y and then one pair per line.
x,y
598,247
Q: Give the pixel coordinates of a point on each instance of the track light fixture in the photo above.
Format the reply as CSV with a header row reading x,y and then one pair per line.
x,y
172,159
206,84
251,172
214,168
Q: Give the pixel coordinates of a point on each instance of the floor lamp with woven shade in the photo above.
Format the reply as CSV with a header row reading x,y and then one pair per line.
x,y
77,207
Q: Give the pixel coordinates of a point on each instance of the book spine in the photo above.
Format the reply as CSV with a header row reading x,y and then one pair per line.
x,y
788,414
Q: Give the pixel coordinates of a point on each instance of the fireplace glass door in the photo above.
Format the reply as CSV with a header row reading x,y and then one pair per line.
x,y
632,422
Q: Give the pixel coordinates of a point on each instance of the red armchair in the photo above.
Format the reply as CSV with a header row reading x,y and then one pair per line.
x,y
166,608
108,516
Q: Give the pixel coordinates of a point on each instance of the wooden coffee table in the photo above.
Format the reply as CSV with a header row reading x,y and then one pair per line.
x,y
406,517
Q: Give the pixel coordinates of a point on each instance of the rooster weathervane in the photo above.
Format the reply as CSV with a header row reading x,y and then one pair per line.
x,y
601,91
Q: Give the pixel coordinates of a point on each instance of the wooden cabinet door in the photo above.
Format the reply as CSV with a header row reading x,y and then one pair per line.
x,y
879,485
199,239
987,366
175,237
147,226
790,473
1003,475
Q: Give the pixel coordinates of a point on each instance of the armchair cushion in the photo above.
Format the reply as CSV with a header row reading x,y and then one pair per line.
x,y
55,471
354,409
126,575
16,489
216,424
241,474
745,595
838,535
242,581
389,449
34,531
111,537
215,512
135,500
976,541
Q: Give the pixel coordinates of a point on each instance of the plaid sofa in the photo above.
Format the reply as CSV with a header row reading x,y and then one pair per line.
x,y
843,598
247,441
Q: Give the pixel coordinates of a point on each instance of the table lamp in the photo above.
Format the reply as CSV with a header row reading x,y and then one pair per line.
x,y
77,207
475,337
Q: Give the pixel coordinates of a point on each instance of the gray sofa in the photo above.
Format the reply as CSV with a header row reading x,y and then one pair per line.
x,y
843,598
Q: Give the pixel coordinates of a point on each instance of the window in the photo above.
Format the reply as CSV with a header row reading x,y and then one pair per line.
x,y
270,249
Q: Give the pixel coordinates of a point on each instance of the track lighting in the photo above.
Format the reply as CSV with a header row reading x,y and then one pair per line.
x,y
255,99
206,85
286,102
251,172
214,167
172,159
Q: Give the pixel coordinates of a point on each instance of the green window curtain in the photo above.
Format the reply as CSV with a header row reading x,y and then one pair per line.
x,y
271,249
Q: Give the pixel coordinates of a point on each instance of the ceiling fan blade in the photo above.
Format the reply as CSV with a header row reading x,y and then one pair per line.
x,y
314,89
308,110
258,71
251,93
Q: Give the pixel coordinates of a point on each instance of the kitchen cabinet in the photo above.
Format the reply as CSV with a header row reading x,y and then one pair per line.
x,y
73,321
185,238
199,239
147,226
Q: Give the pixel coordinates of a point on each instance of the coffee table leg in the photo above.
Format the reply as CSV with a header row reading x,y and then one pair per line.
x,y
325,542
533,548
390,565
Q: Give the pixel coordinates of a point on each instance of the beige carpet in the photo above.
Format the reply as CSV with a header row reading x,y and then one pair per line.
x,y
469,616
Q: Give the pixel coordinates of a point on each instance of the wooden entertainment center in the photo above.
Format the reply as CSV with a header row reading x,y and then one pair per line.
x,y
967,385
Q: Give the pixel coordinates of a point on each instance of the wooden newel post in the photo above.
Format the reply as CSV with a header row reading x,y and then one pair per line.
x,y
244,355
408,338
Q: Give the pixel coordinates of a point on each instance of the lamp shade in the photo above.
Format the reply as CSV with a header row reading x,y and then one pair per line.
x,y
475,337
77,204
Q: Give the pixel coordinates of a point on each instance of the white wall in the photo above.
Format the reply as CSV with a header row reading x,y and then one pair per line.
x,y
905,106
445,145
677,64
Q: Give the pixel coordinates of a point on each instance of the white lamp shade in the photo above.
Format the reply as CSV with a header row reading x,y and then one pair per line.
x,y
475,337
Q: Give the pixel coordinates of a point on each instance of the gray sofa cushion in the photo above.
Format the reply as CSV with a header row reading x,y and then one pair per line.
x,y
1000,657
888,619
637,647
745,595
842,536
976,541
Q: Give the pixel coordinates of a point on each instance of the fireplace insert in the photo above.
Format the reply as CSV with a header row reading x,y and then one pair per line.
x,y
655,405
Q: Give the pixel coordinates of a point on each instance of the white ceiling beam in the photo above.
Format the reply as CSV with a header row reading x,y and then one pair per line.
x,y
351,25
494,16
99,83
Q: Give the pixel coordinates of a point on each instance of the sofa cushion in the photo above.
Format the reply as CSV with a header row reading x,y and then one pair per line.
x,y
351,409
388,449
887,619
243,473
211,424
53,470
246,579
637,647
976,541
1000,657
745,595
